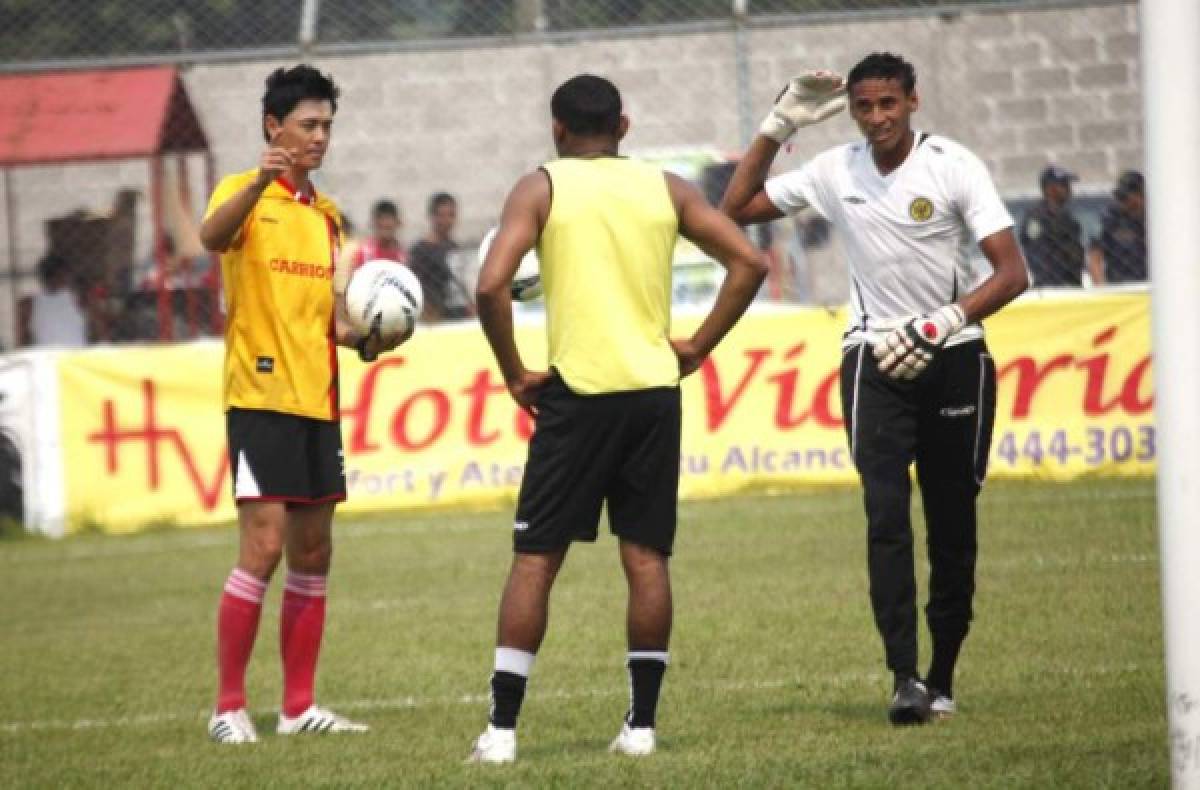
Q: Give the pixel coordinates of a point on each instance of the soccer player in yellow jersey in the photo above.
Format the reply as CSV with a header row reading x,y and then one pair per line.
x,y
278,240
608,410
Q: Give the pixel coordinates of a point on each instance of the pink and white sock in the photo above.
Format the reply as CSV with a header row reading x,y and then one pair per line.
x,y
301,626
237,625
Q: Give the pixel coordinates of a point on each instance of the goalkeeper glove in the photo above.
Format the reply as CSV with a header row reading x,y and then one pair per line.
x,y
373,344
369,345
905,352
810,98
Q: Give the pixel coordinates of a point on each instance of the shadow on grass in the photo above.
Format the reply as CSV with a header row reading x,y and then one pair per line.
x,y
11,529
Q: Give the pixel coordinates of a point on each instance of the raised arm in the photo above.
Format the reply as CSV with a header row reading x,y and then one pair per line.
x,y
716,234
807,99
745,200
220,228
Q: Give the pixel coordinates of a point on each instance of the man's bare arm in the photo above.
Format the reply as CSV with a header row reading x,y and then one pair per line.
x,y
1008,281
521,222
745,200
1095,264
221,227
745,268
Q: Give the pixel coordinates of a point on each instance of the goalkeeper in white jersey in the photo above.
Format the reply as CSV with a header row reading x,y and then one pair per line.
x,y
917,381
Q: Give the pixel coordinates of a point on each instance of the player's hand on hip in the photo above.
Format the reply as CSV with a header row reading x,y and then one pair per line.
x,y
526,387
807,99
689,357
905,352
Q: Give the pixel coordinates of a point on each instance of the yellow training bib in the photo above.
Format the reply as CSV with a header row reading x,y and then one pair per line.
x,y
605,256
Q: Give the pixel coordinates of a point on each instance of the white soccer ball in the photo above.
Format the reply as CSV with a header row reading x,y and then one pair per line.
x,y
527,282
384,295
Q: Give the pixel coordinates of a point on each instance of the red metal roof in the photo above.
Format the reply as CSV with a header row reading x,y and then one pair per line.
x,y
83,116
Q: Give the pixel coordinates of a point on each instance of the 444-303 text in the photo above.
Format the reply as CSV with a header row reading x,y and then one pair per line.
x,y
1096,446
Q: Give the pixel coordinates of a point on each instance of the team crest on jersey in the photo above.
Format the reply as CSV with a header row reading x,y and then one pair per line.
x,y
921,209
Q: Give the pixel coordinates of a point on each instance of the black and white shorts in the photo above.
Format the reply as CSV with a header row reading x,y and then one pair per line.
x,y
277,457
619,449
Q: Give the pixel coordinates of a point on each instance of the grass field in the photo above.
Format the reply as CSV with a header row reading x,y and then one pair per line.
x,y
777,679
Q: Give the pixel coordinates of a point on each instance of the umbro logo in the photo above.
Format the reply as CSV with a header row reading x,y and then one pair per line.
x,y
958,411
521,526
271,220
855,199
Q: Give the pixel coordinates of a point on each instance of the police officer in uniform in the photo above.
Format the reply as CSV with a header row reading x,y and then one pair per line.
x,y
1118,255
1051,236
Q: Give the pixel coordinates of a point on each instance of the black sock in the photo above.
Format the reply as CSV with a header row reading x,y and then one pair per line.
x,y
508,691
646,668
941,668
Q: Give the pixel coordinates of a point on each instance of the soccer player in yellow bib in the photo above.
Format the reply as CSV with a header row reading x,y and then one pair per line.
x,y
608,410
278,239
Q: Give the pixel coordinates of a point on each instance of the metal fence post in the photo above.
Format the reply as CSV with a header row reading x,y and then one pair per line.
x,y
741,55
307,35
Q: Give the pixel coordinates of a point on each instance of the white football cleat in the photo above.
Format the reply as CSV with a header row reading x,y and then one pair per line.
x,y
495,745
942,707
317,720
634,741
232,726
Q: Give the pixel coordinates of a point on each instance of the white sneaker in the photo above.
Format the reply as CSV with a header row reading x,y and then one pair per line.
x,y
232,726
942,707
317,720
495,745
634,741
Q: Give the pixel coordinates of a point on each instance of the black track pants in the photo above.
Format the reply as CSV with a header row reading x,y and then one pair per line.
x,y
943,422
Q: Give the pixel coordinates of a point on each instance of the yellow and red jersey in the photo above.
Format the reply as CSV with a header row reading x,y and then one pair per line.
x,y
280,351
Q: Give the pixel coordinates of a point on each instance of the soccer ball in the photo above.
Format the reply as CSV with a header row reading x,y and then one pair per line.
x,y
527,282
384,295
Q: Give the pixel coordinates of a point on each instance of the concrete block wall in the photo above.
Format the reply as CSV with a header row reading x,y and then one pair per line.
x,y
1021,88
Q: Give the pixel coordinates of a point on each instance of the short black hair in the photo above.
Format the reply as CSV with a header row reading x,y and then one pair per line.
x,y
884,66
385,207
50,266
587,105
288,87
439,199
1130,182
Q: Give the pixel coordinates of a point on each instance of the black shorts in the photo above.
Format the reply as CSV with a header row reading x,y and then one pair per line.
x,y
277,457
587,450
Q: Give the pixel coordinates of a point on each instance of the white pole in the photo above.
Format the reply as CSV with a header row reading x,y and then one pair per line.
x,y
741,56
307,35
1171,87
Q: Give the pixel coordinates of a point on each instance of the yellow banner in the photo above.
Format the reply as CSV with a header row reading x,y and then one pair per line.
x,y
143,437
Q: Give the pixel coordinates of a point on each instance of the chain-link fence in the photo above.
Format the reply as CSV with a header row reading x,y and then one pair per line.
x,y
117,116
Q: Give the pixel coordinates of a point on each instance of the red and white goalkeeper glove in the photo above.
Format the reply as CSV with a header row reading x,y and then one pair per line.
x,y
810,98
905,352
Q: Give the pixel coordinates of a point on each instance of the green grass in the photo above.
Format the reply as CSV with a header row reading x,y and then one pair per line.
x,y
106,664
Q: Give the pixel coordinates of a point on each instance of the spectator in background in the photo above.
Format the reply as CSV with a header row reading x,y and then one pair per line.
x,y
53,317
445,295
1118,255
1051,236
383,243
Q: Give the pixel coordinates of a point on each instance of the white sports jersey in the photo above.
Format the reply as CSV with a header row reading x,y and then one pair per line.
x,y
57,320
903,232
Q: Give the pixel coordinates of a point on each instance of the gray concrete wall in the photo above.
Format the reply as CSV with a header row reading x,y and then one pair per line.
x,y
1021,88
